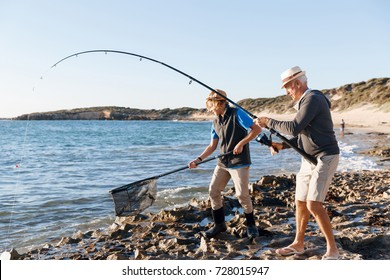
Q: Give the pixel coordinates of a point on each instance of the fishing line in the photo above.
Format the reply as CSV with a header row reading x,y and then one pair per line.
x,y
6,254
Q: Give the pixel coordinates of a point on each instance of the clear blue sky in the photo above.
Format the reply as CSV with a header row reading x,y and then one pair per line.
x,y
239,46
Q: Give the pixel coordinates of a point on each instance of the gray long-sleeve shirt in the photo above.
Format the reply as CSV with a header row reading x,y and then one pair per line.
x,y
312,126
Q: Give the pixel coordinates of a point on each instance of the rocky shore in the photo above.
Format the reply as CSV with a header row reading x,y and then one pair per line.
x,y
358,204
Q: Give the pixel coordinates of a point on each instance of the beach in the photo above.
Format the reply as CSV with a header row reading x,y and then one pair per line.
x,y
366,119
358,205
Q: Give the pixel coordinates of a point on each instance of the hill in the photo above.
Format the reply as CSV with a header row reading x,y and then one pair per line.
x,y
116,113
374,92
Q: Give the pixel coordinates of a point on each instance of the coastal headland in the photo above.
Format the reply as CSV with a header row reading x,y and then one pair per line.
x,y
363,105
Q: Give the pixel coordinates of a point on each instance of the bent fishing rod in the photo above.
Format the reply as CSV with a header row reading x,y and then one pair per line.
x,y
272,131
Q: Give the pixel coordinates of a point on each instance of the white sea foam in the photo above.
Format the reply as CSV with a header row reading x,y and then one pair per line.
x,y
350,160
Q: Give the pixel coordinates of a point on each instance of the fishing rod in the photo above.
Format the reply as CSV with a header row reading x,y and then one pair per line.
x,y
272,131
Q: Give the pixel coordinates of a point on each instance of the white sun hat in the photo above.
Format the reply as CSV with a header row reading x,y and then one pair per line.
x,y
291,74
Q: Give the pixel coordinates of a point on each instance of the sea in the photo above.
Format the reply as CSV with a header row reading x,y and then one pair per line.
x,y
55,176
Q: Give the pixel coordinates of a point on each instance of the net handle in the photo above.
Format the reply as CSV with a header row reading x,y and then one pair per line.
x,y
185,167
169,172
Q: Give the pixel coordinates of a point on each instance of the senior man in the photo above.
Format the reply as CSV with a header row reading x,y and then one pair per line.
x,y
313,132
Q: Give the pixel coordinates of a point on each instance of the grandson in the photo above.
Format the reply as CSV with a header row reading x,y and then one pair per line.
x,y
230,129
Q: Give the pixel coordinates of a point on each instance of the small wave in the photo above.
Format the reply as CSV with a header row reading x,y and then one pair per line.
x,y
350,160
182,190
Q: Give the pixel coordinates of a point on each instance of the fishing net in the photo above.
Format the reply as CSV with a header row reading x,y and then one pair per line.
x,y
134,198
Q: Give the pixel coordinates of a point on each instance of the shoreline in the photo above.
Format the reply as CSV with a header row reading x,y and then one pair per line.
x,y
55,251
367,118
357,204
150,235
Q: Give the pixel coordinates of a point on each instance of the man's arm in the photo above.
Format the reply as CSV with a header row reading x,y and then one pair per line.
x,y
255,130
206,152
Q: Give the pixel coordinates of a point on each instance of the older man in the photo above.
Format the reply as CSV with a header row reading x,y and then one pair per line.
x,y
313,132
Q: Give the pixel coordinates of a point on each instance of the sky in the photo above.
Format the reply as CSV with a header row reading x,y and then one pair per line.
x,y
238,46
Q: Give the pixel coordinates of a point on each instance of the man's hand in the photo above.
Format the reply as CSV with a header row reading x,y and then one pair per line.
x,y
275,148
262,121
238,149
194,163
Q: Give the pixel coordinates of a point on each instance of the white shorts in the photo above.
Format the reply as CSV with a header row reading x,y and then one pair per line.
x,y
313,181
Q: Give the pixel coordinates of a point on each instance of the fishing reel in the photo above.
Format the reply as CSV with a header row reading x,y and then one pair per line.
x,y
264,140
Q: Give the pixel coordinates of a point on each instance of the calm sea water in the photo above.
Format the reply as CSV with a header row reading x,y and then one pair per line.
x,y
55,176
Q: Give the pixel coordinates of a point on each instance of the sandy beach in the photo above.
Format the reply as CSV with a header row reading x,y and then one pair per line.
x,y
367,119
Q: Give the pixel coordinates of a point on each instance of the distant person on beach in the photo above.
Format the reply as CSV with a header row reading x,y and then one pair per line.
x,y
313,132
230,129
342,127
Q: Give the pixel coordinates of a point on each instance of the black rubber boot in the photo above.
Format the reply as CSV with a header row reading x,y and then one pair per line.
x,y
251,228
219,223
